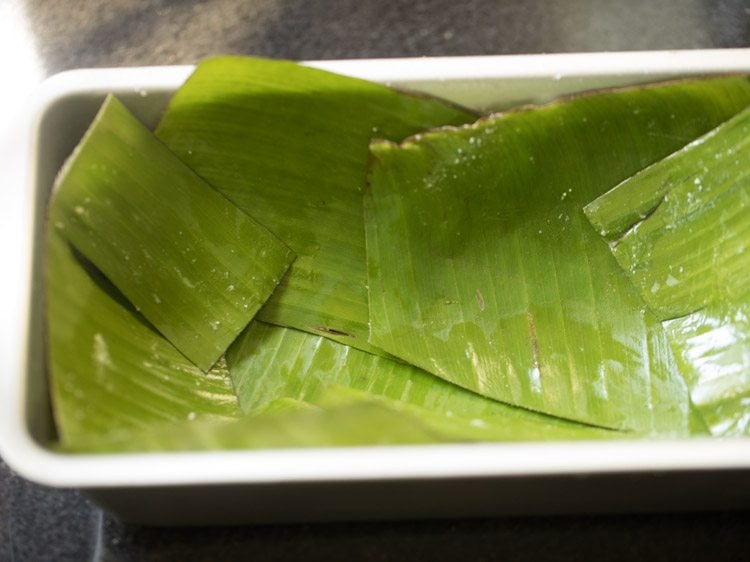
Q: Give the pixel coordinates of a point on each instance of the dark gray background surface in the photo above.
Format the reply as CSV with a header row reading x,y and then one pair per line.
x,y
42,524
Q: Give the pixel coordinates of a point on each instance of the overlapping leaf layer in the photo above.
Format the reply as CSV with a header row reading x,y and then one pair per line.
x,y
483,269
681,232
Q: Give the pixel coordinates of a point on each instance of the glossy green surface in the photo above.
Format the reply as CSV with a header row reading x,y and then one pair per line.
x,y
288,144
109,369
681,232
196,266
269,362
712,346
284,424
484,270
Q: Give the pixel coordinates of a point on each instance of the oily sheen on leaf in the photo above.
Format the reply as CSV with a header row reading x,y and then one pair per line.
x,y
484,271
681,232
288,144
269,363
197,267
109,369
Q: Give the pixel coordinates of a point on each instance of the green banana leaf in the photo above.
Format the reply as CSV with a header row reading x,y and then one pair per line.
x,y
681,232
110,370
286,423
712,346
268,363
484,271
288,144
196,266
494,424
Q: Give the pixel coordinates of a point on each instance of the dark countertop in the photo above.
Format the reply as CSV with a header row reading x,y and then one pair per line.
x,y
37,523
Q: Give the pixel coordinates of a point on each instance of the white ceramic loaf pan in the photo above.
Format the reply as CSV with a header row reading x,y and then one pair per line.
x,y
345,483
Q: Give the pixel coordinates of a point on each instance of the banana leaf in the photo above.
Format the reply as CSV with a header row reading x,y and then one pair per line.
x,y
110,370
196,266
484,271
269,363
681,231
285,423
288,144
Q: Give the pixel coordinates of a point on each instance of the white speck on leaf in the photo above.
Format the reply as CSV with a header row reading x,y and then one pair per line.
x,y
535,379
101,354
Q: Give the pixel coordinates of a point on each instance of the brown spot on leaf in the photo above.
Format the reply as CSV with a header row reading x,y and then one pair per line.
x,y
332,331
480,300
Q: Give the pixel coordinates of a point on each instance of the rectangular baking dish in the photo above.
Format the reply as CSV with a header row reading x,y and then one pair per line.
x,y
345,483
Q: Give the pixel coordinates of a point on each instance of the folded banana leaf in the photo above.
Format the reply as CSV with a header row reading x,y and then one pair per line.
x,y
196,266
288,144
681,232
347,422
110,370
484,271
268,363
712,346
